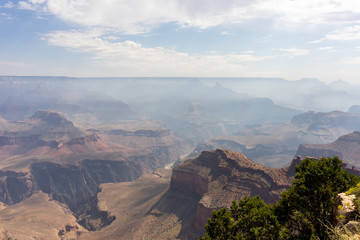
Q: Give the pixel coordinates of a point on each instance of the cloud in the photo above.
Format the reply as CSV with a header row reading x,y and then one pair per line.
x,y
9,4
225,33
6,16
316,41
292,52
15,64
136,16
265,38
345,34
132,56
32,5
325,48
352,60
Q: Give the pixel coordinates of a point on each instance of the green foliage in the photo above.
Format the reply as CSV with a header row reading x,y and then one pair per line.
x,y
251,218
307,207
305,211
354,190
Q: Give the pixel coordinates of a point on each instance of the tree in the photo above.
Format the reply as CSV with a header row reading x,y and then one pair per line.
x,y
250,218
305,211
307,207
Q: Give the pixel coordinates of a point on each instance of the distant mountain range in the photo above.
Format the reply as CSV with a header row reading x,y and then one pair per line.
x,y
275,144
188,107
346,147
89,158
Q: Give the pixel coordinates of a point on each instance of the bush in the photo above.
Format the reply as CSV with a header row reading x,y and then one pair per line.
x,y
250,218
307,207
305,211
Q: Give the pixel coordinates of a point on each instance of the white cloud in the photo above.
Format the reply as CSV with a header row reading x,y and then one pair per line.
x,y
225,33
26,6
345,34
15,64
132,56
352,60
6,16
316,41
325,48
249,52
265,38
133,16
32,5
9,4
292,52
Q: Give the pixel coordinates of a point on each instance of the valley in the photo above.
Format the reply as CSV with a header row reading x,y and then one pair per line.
x,y
146,158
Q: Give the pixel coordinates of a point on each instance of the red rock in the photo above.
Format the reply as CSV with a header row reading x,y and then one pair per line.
x,y
221,177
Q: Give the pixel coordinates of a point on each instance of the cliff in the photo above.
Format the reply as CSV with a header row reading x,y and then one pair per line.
x,y
44,128
48,153
347,147
219,177
320,120
15,186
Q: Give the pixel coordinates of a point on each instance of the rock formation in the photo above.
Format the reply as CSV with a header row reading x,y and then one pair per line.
x,y
346,147
321,120
48,153
219,177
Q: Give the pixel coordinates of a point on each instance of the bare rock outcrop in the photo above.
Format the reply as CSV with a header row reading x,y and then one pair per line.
x,y
346,147
345,209
220,177
15,186
346,214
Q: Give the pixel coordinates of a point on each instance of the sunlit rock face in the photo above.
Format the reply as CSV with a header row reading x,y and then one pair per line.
x,y
219,177
346,147
48,153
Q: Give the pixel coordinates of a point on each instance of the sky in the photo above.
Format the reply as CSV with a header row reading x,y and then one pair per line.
x,y
291,39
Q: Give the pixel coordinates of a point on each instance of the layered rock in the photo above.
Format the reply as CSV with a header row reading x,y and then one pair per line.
x,y
220,177
75,185
44,128
274,145
141,133
50,154
15,186
320,120
346,147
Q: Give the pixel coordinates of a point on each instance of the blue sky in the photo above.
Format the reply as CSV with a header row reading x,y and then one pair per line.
x,y
182,38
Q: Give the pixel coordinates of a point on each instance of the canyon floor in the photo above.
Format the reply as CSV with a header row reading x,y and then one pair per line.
x,y
132,203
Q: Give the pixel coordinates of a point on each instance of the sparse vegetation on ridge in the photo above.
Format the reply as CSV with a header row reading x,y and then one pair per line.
x,y
305,211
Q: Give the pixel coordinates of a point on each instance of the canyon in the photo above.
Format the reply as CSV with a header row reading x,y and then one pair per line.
x,y
346,147
48,154
274,145
176,204
132,159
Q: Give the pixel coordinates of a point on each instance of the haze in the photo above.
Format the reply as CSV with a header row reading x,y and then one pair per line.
x,y
136,119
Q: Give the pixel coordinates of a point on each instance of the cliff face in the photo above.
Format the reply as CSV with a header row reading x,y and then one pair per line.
x,y
319,120
347,147
15,186
220,177
141,133
48,153
75,185
44,128
15,140
35,141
